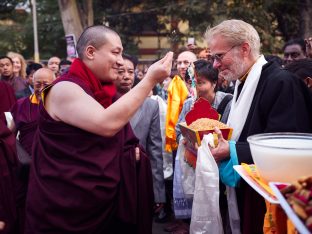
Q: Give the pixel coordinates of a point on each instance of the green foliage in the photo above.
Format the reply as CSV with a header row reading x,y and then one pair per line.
x,y
17,30
275,20
128,18
10,27
50,30
7,8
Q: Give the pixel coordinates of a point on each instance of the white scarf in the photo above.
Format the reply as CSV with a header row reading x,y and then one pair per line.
x,y
237,118
240,108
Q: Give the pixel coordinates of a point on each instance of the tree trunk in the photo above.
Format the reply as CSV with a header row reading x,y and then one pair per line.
x,y
87,15
306,23
70,17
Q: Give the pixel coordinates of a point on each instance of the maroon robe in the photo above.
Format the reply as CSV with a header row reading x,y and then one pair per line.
x,y
7,99
25,114
8,171
81,182
19,86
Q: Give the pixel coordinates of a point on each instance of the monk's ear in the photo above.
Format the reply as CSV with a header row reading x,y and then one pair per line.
x,y
89,52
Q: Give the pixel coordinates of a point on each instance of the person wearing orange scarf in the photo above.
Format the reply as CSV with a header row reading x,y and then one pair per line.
x,y
177,93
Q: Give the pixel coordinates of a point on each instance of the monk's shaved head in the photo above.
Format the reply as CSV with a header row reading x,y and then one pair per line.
x,y
44,74
41,79
188,55
184,60
95,36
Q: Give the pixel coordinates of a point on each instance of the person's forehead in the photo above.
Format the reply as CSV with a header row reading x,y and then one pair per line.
x,y
217,43
54,60
293,48
43,77
113,41
186,57
16,59
128,64
5,61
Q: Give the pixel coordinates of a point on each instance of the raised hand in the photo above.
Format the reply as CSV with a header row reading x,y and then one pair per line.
x,y
161,69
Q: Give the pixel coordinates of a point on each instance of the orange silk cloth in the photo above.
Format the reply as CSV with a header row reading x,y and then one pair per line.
x,y
33,99
177,93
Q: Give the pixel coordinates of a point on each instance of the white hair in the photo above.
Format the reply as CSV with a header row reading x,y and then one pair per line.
x,y
236,32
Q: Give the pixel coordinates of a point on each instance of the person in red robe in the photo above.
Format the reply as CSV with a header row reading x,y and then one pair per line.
x,y
7,98
8,181
26,111
86,176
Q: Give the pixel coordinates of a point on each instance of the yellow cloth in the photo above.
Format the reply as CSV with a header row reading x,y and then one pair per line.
x,y
177,93
275,220
33,99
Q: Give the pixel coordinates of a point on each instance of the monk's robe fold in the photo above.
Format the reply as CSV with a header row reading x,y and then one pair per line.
x,y
77,178
8,172
7,99
25,113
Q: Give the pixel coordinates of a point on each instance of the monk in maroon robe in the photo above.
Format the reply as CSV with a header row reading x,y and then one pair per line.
x,y
8,171
26,111
86,176
7,98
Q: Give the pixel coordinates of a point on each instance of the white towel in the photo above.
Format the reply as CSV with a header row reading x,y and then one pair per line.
x,y
240,108
237,118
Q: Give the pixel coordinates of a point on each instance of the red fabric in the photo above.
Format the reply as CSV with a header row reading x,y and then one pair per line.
x,y
7,99
8,171
103,91
98,186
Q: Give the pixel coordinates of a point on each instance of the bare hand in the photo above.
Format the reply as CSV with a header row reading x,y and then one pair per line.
x,y
137,153
161,69
222,151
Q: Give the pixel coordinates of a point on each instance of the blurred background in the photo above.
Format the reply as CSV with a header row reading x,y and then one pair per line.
x,y
148,28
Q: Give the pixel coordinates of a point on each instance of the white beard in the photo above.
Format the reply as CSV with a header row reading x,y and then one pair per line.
x,y
235,71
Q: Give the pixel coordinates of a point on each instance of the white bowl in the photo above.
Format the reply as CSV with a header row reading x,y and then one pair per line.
x,y
282,157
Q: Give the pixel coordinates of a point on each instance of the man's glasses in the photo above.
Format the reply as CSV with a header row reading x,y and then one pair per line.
x,y
219,57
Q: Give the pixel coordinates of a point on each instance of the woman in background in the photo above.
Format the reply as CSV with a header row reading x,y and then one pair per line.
x,y
19,64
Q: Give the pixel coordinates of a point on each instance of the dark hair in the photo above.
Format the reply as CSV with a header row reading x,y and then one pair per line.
x,y
132,59
32,67
302,68
93,35
6,57
274,58
296,41
205,69
65,62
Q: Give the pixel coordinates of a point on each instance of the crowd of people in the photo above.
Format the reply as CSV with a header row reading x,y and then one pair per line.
x,y
90,145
